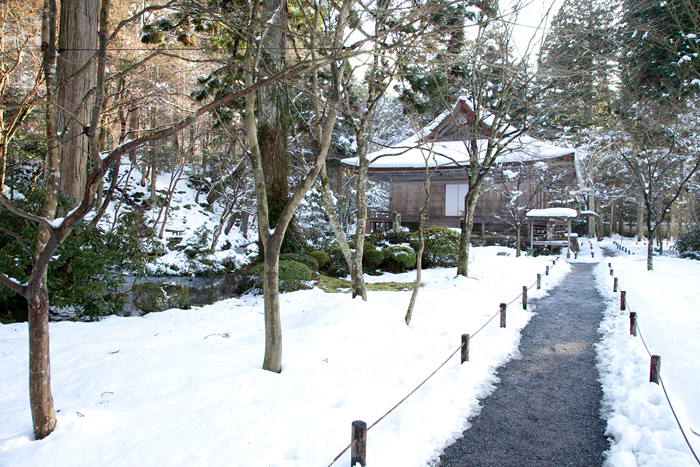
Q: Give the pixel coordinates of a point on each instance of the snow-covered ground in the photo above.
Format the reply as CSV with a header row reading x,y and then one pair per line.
x,y
641,423
184,387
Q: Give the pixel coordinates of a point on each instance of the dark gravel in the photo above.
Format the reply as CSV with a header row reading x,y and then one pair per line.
x,y
545,410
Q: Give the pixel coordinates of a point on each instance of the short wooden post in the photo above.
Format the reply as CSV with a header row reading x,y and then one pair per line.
x,y
592,254
524,297
503,315
633,324
611,272
539,281
623,300
655,369
358,452
610,265
615,284
465,348
546,271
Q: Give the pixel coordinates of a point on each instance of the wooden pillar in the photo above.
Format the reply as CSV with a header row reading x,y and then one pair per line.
x,y
655,369
568,238
465,348
358,452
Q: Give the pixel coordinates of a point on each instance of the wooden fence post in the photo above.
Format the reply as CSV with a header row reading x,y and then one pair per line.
x,y
524,297
623,300
358,452
655,369
611,272
503,315
615,284
465,348
546,271
633,324
539,281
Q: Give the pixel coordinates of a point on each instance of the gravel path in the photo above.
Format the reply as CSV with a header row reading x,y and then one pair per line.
x,y
546,409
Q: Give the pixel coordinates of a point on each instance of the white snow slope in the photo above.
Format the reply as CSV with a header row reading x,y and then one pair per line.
x,y
641,424
184,387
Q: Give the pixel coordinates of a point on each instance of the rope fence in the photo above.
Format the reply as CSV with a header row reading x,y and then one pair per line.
x,y
360,428
655,363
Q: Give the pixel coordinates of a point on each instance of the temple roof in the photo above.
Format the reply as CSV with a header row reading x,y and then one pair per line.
x,y
444,143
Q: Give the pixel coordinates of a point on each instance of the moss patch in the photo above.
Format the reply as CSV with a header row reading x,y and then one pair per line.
x,y
334,285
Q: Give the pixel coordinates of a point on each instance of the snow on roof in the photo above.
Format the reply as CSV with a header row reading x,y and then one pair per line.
x,y
412,152
552,212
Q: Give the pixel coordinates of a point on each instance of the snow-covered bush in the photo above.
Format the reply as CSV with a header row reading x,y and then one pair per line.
x,y
688,245
293,276
372,258
441,247
320,256
308,260
150,297
398,258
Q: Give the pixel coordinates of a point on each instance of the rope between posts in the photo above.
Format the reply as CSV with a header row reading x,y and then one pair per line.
x,y
425,380
343,452
663,388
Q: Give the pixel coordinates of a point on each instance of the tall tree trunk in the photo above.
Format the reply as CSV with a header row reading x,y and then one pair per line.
x,y
466,234
650,240
421,246
40,398
77,44
640,224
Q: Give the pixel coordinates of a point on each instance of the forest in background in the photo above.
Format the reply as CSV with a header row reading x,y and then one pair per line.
x,y
254,103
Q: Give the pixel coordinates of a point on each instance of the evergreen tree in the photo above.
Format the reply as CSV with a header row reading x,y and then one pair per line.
x,y
660,47
575,66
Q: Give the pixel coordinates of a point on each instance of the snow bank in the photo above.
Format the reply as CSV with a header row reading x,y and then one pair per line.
x,y
184,387
640,422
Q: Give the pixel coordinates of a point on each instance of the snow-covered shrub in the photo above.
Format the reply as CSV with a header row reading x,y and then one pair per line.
x,y
151,297
198,243
398,258
293,276
372,258
397,238
441,247
308,260
688,245
337,266
320,256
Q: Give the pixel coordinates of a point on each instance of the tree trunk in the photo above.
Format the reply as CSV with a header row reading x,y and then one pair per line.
x,y
591,219
650,242
77,44
40,398
640,224
339,234
356,272
612,218
421,247
466,234
272,360
599,221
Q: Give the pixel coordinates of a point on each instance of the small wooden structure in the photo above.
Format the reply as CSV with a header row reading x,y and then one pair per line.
x,y
552,227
